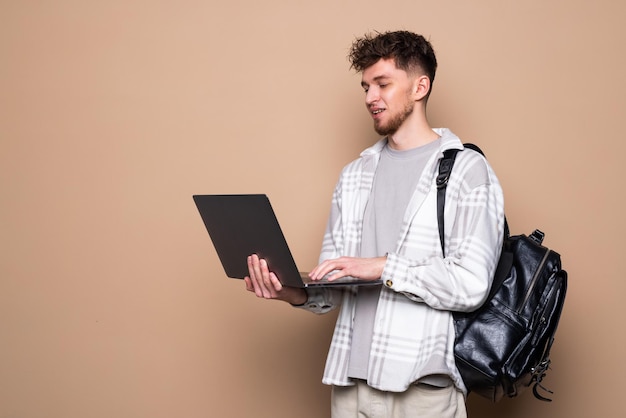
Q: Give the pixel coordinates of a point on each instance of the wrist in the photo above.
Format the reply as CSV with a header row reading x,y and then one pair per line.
x,y
298,297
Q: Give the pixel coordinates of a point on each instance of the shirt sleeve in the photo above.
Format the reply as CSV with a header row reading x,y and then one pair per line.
x,y
460,281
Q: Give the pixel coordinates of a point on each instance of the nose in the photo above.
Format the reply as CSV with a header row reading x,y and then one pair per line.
x,y
371,96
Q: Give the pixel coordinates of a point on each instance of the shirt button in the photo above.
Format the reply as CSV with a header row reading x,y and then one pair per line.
x,y
389,283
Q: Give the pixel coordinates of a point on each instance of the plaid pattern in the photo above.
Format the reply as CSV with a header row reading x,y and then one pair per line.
x,y
414,330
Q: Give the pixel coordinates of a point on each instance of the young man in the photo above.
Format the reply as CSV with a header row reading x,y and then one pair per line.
x,y
392,349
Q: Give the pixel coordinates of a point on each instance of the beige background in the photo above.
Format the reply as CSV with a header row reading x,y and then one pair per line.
x,y
113,113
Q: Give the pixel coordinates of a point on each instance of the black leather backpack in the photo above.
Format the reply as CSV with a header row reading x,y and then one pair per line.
x,y
504,346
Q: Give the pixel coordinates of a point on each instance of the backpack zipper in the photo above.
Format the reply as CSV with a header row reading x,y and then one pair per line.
x,y
533,281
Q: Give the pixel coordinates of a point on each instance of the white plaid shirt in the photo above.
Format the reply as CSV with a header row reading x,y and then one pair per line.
x,y
413,327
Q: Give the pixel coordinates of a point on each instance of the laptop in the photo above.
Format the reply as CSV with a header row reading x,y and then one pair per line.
x,y
243,224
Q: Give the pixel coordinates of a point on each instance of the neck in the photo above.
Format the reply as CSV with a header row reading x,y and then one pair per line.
x,y
412,134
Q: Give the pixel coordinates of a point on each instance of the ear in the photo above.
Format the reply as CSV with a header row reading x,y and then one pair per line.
x,y
421,87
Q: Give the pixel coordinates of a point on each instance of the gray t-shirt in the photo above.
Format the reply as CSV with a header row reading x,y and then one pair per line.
x,y
395,180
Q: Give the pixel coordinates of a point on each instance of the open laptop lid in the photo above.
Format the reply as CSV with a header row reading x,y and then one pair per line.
x,y
244,224
240,225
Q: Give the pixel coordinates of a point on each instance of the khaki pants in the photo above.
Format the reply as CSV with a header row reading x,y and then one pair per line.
x,y
419,401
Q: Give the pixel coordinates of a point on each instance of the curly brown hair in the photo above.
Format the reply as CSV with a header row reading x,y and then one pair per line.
x,y
410,51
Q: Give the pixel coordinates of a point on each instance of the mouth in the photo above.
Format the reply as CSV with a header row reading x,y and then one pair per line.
x,y
376,112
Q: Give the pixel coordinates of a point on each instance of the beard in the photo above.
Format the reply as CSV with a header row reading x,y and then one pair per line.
x,y
396,120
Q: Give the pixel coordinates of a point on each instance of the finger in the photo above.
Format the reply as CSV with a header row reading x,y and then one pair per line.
x,y
260,272
253,267
249,285
336,274
256,275
330,268
276,284
266,281
321,270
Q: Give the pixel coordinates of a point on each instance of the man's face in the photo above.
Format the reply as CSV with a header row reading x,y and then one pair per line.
x,y
387,96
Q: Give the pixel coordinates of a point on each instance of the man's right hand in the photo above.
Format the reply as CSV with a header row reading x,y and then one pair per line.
x,y
266,285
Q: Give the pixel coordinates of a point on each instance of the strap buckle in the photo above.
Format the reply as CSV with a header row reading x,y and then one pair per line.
x,y
537,236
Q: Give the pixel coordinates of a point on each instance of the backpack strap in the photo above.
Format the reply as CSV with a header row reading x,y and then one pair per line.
x,y
445,169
